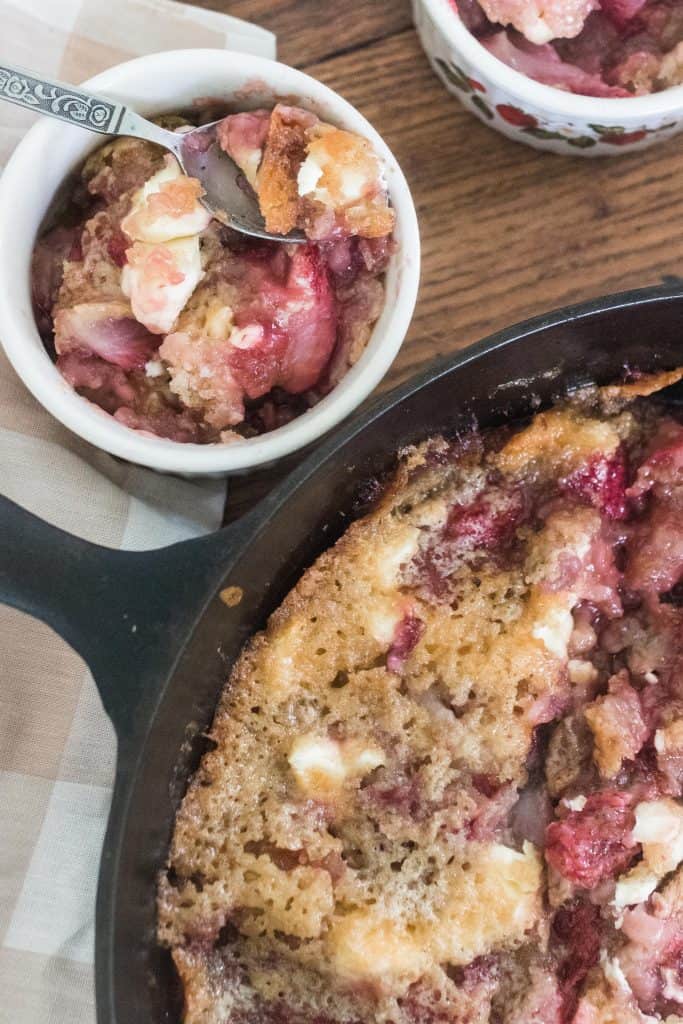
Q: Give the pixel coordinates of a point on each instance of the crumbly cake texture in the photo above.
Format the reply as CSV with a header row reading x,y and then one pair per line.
x,y
308,174
445,781
181,328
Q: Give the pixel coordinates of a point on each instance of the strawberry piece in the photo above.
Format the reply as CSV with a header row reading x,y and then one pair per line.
x,y
595,843
406,637
298,324
107,330
601,482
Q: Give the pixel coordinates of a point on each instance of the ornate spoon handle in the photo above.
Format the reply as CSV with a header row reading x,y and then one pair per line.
x,y
76,106
67,102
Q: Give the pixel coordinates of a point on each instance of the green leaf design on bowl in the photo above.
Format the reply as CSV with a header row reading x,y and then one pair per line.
x,y
602,129
543,133
478,102
454,75
582,142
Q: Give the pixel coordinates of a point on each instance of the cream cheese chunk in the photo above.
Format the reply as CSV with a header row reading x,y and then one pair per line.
x,y
153,221
555,629
659,827
159,279
322,765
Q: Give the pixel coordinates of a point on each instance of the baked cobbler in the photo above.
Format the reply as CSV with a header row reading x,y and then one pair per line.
x,y
445,783
178,326
610,48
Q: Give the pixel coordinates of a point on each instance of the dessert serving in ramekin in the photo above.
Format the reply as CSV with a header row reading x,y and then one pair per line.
x,y
168,83
540,115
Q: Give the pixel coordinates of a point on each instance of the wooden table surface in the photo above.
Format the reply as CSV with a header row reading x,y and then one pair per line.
x,y
507,232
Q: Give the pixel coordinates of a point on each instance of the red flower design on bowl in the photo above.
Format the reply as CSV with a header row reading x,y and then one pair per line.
x,y
516,117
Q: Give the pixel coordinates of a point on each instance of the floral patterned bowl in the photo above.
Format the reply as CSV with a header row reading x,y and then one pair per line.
x,y
539,115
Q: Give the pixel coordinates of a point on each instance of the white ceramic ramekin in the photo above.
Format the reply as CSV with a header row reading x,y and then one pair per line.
x,y
51,150
539,115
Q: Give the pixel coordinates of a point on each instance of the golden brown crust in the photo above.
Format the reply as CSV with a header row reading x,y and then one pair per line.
x,y
283,154
343,157
336,827
342,189
562,438
644,386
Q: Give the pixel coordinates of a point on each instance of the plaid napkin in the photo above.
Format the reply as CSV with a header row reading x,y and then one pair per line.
x,y
57,747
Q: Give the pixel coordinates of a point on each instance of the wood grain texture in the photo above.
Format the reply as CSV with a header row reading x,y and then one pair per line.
x,y
310,30
507,232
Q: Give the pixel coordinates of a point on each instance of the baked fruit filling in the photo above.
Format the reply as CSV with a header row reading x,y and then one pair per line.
x,y
178,326
445,782
607,48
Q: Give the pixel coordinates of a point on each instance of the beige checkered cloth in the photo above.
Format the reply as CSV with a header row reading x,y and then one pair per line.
x,y
57,747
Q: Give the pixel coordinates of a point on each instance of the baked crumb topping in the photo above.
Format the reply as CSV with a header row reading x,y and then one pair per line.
x,y
446,779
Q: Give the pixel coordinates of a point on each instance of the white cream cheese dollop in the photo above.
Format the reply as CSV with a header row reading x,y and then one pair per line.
x,y
322,765
659,827
164,262
159,280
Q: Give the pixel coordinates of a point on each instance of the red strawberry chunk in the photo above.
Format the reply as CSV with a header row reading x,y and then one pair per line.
x,y
545,65
117,246
298,324
91,374
601,482
595,843
655,548
654,552
406,637
488,521
480,970
622,11
576,931
107,330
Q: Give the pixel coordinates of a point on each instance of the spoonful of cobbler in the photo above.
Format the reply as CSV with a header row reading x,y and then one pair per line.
x,y
282,175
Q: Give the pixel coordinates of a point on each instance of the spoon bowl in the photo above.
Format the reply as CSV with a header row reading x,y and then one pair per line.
x,y
201,157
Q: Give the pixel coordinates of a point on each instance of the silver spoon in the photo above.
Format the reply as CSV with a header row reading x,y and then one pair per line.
x,y
226,197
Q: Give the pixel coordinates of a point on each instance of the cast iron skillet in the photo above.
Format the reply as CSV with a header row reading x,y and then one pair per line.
x,y
160,641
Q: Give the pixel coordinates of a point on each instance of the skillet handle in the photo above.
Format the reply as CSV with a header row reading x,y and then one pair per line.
x,y
127,613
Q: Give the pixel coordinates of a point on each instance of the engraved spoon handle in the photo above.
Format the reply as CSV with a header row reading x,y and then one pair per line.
x,y
76,106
